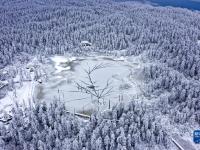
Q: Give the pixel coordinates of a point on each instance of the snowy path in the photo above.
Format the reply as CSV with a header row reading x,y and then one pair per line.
x,y
182,144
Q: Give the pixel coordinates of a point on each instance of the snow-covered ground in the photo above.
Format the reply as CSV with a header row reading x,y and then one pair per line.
x,y
22,95
198,42
62,63
64,72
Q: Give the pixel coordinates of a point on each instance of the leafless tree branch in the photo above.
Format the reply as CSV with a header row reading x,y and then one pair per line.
x,y
90,87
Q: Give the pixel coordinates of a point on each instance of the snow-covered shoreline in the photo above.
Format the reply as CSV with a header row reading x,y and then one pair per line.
x,y
62,70
68,70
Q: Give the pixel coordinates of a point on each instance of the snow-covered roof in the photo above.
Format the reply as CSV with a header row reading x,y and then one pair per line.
x,y
85,42
4,72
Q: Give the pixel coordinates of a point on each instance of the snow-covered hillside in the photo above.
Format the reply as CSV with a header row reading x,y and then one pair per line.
x,y
134,68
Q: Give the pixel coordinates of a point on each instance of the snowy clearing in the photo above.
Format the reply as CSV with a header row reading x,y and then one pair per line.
x,y
22,95
64,72
198,42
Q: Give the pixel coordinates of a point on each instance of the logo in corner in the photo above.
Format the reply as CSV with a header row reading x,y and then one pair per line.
x,y
196,136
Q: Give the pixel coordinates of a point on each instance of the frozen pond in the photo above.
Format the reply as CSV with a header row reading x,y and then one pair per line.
x,y
63,74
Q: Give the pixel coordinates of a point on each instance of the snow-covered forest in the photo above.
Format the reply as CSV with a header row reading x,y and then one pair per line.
x,y
166,41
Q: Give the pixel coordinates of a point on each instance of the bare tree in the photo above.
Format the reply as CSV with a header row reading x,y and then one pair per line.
x,y
90,86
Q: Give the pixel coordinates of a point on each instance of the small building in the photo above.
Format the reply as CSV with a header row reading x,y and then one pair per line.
x,y
86,44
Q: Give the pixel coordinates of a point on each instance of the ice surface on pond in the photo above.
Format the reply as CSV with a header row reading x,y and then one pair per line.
x,y
61,62
64,72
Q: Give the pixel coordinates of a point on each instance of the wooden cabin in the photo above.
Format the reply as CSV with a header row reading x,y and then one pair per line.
x,y
85,44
